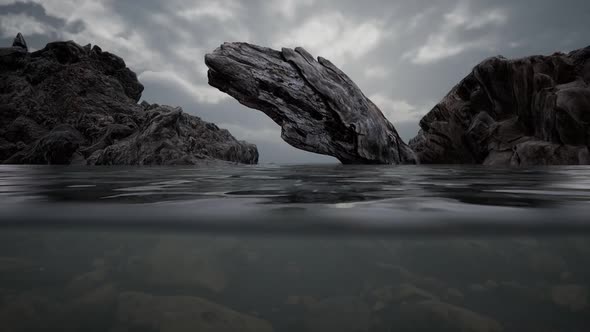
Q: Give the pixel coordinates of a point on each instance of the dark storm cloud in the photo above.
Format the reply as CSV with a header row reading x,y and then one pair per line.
x,y
405,55
49,26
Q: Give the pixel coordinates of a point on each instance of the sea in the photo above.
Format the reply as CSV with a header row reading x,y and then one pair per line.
x,y
327,247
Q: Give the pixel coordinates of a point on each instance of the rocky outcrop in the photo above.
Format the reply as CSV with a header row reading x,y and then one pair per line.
x,y
523,112
68,103
318,107
530,111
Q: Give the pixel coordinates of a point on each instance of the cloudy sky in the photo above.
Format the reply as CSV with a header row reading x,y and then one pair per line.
x,y
405,55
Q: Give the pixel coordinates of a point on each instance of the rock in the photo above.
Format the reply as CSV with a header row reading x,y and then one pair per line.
x,y
87,281
318,107
386,296
344,314
454,294
56,148
93,310
31,312
25,130
145,312
572,297
440,316
70,104
410,293
172,137
19,41
523,112
196,266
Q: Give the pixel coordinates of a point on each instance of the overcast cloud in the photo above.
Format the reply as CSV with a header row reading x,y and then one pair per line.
x,y
405,55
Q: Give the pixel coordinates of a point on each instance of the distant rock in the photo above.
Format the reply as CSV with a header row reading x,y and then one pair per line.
x,y
523,112
319,108
70,104
19,41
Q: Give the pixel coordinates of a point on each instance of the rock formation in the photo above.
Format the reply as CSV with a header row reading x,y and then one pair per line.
x,y
318,107
523,112
77,104
530,111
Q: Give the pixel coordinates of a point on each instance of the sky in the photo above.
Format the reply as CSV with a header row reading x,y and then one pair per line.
x,y
404,55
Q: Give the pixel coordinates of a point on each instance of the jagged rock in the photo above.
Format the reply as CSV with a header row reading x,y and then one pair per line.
x,y
318,107
25,130
19,41
57,147
530,111
173,137
68,103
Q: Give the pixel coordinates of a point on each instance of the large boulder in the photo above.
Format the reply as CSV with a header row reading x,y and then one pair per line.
x,y
68,103
319,108
523,112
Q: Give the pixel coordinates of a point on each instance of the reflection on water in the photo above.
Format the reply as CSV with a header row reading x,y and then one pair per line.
x,y
323,184
294,248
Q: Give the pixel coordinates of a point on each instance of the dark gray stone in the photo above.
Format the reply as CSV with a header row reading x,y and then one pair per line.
x,y
19,41
522,112
71,104
318,107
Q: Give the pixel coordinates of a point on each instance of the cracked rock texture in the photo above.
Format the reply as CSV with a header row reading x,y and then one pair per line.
x,y
72,104
523,112
318,107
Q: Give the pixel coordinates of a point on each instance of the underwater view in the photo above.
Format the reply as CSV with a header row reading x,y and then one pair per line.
x,y
294,166
199,249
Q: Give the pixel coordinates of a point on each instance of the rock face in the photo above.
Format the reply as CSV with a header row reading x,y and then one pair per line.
x,y
530,111
77,104
318,107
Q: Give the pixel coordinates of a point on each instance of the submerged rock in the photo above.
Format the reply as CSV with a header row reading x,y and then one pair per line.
x,y
523,112
318,106
182,313
573,297
440,316
345,314
72,104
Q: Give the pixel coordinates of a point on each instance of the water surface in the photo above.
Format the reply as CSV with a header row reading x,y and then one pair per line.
x,y
294,248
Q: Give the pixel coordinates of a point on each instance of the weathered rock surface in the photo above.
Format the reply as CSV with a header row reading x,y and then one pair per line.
x,y
530,111
72,104
318,107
